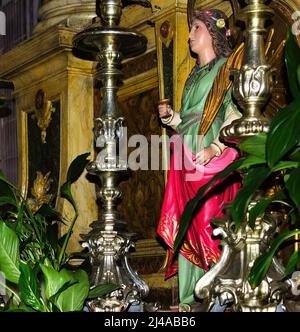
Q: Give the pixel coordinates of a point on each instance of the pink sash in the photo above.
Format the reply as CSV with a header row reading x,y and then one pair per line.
x,y
184,180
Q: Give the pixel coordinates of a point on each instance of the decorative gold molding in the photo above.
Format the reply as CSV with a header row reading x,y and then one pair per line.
x,y
39,191
43,113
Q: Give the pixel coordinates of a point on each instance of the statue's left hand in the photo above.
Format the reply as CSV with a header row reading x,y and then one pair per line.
x,y
205,155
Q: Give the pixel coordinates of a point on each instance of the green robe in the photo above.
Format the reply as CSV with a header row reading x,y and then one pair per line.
x,y
195,93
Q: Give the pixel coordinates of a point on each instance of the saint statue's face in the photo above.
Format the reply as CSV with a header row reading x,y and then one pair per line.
x,y
199,37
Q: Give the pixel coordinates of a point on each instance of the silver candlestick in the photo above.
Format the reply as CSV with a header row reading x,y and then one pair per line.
x,y
109,242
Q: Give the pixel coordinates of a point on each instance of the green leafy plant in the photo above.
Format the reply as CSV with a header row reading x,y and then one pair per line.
x,y
276,154
32,257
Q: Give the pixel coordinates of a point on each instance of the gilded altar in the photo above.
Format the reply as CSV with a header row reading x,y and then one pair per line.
x,y
57,98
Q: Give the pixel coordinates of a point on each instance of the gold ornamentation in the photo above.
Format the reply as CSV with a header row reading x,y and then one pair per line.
x,y
169,229
39,191
43,113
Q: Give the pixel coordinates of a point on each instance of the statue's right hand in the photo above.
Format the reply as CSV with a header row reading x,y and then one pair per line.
x,y
164,111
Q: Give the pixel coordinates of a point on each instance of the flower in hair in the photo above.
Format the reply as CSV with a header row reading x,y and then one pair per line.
x,y
208,13
228,33
220,23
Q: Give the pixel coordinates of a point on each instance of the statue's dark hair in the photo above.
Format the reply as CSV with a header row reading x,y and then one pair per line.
x,y
222,42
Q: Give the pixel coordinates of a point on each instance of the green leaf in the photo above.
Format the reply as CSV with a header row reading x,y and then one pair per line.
x,y
6,200
65,192
259,269
47,262
33,220
252,161
52,234
20,308
75,170
47,210
262,263
20,213
54,280
72,298
258,210
255,146
30,290
293,185
4,179
252,181
9,253
61,240
77,167
281,165
102,290
292,263
295,155
284,133
64,287
7,194
10,294
293,216
292,60
189,210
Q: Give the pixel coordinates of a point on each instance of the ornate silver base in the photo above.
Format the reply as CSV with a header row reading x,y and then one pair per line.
x,y
227,281
109,259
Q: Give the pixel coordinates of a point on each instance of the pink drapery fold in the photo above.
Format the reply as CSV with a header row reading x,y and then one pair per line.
x,y
184,180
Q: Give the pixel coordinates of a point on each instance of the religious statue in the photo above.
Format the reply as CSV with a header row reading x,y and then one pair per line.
x,y
198,154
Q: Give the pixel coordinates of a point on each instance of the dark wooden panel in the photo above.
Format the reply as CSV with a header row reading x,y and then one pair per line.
x,y
44,157
143,191
167,56
142,64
